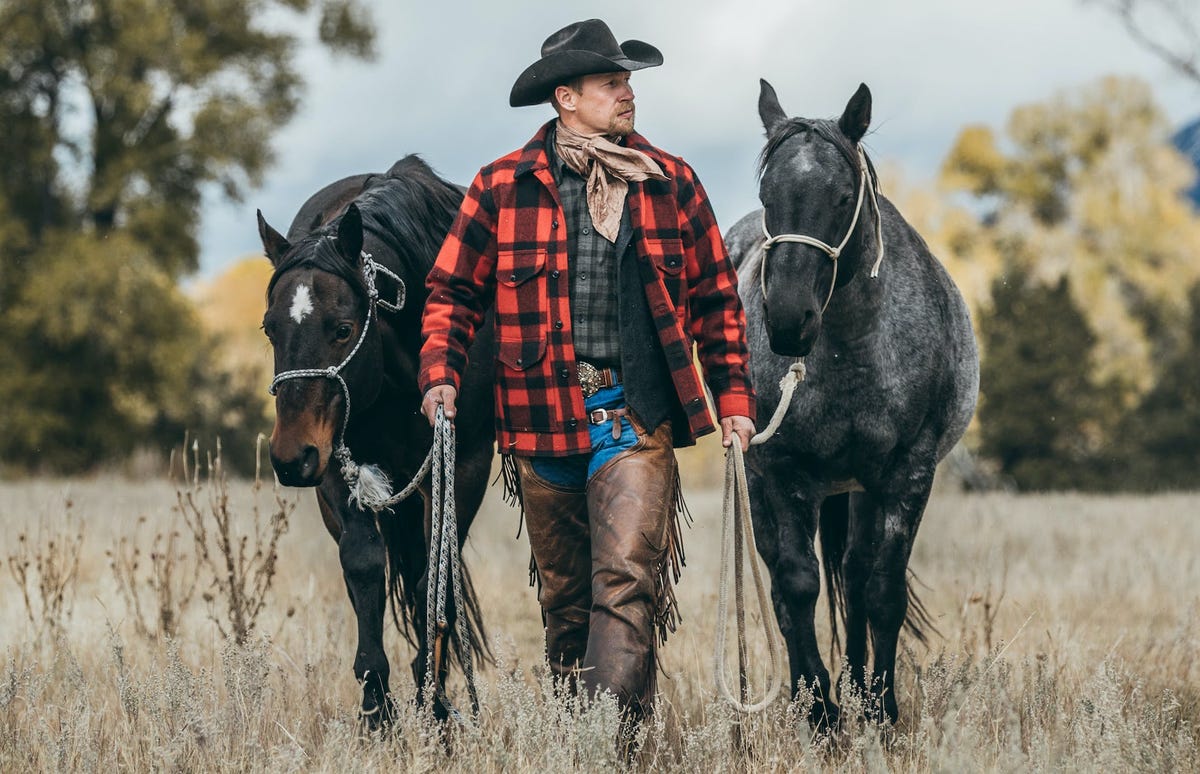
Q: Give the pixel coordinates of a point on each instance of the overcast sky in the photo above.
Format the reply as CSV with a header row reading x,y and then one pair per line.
x,y
440,86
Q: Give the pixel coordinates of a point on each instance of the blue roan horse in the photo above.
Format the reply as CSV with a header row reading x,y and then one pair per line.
x,y
892,378
346,377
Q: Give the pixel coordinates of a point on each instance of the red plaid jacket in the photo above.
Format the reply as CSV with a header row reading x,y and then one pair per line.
x,y
508,245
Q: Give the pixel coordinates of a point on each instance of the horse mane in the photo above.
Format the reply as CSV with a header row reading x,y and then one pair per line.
x,y
409,209
825,128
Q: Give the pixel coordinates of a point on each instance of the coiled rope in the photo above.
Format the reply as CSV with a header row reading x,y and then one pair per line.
x,y
737,541
444,550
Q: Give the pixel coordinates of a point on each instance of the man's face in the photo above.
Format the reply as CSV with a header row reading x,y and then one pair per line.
x,y
604,104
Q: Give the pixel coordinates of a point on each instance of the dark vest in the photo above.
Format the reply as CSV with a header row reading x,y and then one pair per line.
x,y
649,390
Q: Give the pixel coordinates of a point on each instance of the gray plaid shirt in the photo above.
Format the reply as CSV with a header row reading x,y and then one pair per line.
x,y
593,264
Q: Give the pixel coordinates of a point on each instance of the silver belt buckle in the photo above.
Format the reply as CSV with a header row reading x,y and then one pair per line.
x,y
590,380
598,416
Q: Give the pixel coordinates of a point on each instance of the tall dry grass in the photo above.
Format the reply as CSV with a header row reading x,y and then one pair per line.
x,y
1069,631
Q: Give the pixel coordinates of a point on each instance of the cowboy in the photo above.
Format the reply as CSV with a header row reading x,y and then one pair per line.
x,y
603,261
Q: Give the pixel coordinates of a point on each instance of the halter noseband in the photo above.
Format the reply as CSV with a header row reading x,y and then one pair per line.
x,y
833,252
370,268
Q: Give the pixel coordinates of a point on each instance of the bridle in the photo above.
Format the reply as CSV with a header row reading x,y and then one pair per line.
x,y
370,268
833,252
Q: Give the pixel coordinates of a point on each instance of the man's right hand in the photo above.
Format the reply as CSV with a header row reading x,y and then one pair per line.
x,y
441,395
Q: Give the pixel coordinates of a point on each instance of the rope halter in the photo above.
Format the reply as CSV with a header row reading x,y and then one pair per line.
x,y
370,269
833,252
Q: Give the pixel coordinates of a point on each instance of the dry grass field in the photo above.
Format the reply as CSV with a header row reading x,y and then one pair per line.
x,y
1070,627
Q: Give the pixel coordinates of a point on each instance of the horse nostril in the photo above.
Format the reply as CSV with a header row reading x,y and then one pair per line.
x,y
310,458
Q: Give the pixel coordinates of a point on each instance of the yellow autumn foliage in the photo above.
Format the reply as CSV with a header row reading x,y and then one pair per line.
x,y
1087,186
231,306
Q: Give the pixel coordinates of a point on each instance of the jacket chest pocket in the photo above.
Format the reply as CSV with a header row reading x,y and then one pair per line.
x,y
668,259
521,299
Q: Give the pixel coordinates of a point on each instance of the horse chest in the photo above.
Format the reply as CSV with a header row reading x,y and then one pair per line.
x,y
841,416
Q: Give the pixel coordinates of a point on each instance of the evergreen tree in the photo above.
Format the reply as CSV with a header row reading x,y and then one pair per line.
x,y
1039,410
1159,442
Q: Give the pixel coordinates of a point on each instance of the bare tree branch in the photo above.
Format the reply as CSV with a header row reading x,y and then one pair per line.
x,y
1168,29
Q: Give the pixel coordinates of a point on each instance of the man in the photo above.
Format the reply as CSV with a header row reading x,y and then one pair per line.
x,y
604,262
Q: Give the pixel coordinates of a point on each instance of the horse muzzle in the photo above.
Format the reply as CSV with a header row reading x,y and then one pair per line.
x,y
300,461
796,337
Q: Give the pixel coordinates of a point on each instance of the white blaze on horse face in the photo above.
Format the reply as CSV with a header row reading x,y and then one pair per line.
x,y
302,304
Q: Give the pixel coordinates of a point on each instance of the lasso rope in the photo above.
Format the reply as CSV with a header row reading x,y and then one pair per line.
x,y
444,550
737,533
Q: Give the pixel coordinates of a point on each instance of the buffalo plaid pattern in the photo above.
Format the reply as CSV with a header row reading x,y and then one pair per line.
x,y
508,247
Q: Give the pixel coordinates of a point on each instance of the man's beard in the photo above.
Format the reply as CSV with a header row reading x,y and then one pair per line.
x,y
622,127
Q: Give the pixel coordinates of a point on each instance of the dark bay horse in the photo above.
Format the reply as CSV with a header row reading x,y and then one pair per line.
x,y
892,379
336,350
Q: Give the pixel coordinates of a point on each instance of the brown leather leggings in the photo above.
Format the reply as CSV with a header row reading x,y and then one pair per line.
x,y
602,560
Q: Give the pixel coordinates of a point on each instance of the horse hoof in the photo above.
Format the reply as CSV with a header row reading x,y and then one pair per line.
x,y
375,715
825,717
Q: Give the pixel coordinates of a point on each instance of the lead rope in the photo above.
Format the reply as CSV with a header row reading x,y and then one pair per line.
x,y
444,546
737,539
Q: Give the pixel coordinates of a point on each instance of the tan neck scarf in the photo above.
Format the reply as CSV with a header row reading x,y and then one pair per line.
x,y
609,169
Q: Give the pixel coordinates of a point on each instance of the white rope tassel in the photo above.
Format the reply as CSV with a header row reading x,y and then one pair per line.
x,y
372,489
737,538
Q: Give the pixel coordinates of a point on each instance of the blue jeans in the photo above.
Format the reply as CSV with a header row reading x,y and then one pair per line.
x,y
576,470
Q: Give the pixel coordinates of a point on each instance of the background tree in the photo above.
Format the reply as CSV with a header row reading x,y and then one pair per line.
x,y
115,117
1038,417
1091,190
1159,442
1080,205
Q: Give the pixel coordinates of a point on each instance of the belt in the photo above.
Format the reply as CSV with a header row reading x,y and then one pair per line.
x,y
600,416
592,378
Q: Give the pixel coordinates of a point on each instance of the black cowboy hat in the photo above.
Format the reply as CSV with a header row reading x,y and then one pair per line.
x,y
582,48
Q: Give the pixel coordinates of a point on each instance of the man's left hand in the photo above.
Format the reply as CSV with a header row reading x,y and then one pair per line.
x,y
740,425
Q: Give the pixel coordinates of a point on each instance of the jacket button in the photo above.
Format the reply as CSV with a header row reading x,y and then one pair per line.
x,y
564,374
695,401
572,423
512,278
554,224
558,324
554,274
520,361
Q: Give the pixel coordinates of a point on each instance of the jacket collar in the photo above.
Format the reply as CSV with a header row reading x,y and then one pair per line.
x,y
534,157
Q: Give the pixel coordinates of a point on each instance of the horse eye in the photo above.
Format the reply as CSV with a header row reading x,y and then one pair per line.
x,y
343,331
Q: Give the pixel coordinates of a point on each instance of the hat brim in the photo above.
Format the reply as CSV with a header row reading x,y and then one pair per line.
x,y
537,83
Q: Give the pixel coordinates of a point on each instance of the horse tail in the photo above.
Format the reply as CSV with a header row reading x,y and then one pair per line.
x,y
406,564
917,620
833,528
400,539
480,649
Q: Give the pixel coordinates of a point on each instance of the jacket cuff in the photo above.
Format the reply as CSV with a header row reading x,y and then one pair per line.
x,y
436,375
736,404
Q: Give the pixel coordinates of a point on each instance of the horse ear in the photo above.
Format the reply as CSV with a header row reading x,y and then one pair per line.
x,y
769,110
350,234
857,115
274,244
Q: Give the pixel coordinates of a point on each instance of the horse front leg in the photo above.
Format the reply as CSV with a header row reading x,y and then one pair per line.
x,y
886,591
364,569
788,552
860,513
